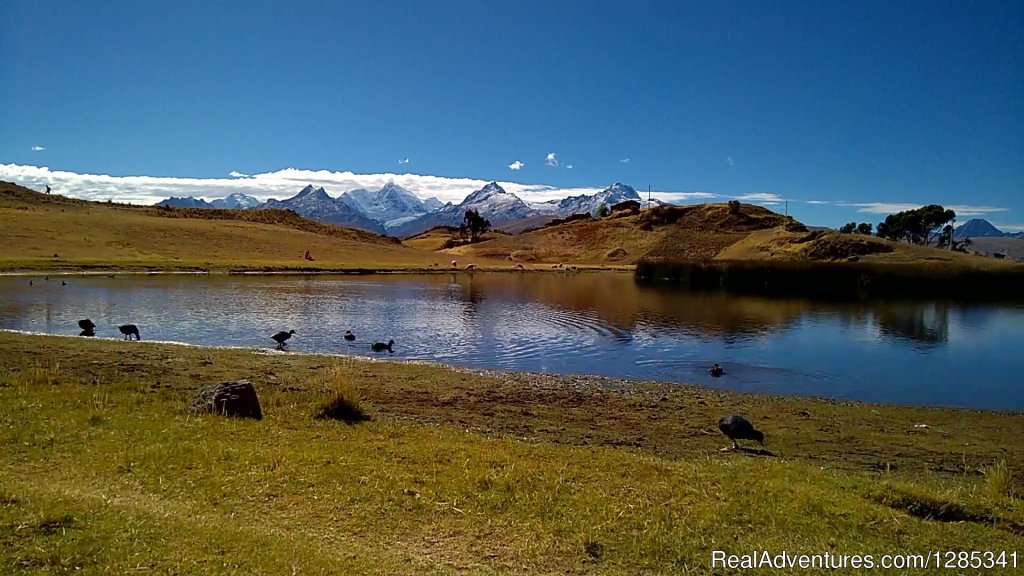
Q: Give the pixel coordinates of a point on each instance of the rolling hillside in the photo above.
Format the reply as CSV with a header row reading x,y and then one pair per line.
x,y
683,232
51,232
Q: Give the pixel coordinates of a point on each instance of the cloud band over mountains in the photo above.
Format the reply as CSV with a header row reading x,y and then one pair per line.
x,y
287,182
280,184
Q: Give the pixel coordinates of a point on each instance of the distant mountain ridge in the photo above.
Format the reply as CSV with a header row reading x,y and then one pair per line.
x,y
981,228
316,204
491,201
397,211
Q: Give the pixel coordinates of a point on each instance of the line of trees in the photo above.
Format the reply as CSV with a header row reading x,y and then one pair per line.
x,y
855,228
920,226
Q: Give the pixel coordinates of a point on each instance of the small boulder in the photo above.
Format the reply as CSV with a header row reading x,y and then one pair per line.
x,y
232,398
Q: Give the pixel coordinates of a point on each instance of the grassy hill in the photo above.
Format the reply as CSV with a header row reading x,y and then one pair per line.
x,y
51,232
685,232
778,244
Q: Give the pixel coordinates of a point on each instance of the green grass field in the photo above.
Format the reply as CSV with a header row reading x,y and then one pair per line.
x,y
463,472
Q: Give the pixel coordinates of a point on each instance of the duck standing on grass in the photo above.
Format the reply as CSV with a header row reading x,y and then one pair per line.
x,y
737,427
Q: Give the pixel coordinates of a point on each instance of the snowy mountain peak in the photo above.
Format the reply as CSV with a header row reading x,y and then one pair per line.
x,y
491,189
311,190
237,200
622,191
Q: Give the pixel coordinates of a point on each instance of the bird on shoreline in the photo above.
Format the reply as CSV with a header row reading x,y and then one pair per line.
x,y
349,335
380,346
87,326
130,330
737,427
281,337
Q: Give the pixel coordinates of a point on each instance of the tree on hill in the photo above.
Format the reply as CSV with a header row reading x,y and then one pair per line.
x,y
475,224
602,211
852,227
919,226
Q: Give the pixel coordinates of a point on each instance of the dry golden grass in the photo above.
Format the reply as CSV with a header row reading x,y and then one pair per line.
x,y
779,244
678,232
52,232
462,473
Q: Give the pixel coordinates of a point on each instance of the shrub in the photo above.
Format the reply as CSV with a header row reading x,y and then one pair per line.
x,y
344,403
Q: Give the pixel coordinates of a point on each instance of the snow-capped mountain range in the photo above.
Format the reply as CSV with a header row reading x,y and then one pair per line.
x,y
316,204
396,211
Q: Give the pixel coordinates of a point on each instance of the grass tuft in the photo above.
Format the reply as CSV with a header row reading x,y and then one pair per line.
x,y
344,403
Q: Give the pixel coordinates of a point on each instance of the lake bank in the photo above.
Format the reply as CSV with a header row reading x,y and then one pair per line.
x,y
568,323
463,471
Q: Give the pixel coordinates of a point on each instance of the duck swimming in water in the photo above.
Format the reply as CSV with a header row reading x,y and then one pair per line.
x,y
716,370
380,346
349,335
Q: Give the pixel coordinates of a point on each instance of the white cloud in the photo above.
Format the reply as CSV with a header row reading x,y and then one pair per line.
x,y
552,159
1010,227
893,207
404,161
517,165
763,197
681,197
38,148
279,184
818,202
284,184
568,166
966,210
624,160
237,174
729,161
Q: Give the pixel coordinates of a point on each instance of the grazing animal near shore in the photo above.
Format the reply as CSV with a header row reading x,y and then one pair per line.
x,y
470,266
130,330
716,370
281,337
737,427
455,264
349,335
380,346
88,328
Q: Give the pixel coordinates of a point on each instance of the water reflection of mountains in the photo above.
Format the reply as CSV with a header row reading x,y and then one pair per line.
x,y
618,302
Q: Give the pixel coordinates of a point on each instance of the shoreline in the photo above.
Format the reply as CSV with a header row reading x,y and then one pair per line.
x,y
593,380
604,410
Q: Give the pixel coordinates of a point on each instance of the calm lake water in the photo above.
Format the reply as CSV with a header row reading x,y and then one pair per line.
x,y
931,353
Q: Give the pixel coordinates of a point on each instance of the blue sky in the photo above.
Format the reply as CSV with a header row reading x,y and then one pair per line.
x,y
860,107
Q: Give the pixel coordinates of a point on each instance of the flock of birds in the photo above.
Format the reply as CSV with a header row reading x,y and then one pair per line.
x,y
734,426
131,332
282,338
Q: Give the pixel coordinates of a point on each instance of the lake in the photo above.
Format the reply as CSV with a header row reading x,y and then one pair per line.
x,y
928,353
